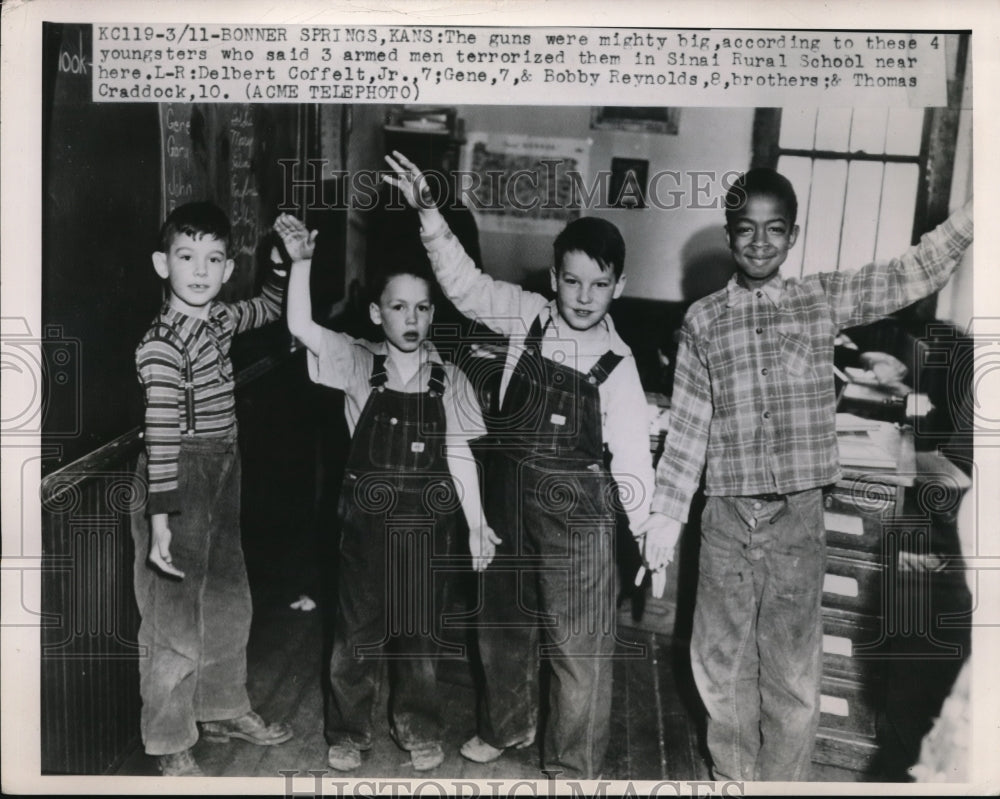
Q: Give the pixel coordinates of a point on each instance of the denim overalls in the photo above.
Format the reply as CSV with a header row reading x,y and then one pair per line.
x,y
397,511
553,506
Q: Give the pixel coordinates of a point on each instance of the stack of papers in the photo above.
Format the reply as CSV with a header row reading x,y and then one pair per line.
x,y
850,423
867,443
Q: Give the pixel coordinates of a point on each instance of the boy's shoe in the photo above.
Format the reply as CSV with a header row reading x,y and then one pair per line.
x,y
179,764
427,757
343,757
478,751
248,727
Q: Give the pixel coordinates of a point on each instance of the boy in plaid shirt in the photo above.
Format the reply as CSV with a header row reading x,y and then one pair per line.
x,y
754,404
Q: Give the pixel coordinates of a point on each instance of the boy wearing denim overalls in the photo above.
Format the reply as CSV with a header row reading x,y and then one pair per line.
x,y
190,577
409,468
753,402
569,391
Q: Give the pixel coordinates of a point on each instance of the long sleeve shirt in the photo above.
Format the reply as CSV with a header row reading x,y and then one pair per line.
x,y
345,363
509,310
173,344
753,400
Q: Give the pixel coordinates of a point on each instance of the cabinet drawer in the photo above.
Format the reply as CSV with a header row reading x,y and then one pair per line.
x,y
844,751
854,513
848,707
849,641
852,584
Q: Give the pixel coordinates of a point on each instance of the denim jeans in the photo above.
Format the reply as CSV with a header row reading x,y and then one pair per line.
x,y
391,597
756,644
549,595
194,631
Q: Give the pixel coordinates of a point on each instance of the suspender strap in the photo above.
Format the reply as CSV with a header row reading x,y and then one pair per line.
x,y
187,378
599,371
436,383
605,366
379,374
534,338
188,393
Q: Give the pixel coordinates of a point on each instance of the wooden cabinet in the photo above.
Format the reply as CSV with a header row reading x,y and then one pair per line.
x,y
857,573
861,512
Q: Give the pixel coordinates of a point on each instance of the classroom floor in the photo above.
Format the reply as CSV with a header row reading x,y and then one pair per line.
x,y
654,734
656,725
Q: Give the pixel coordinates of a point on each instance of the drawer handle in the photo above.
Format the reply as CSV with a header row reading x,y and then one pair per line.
x,y
838,584
842,523
837,645
834,705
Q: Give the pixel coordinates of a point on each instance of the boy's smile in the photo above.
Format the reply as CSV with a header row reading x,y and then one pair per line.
x,y
760,237
404,311
195,268
583,290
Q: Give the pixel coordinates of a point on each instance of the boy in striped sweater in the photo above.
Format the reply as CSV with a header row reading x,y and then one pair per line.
x,y
190,578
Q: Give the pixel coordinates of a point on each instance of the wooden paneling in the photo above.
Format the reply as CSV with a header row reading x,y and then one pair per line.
x,y
90,683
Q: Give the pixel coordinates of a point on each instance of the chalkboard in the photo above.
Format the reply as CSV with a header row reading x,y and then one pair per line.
x,y
231,155
111,171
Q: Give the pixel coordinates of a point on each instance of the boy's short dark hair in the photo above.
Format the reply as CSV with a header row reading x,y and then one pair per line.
x,y
414,264
597,238
761,180
195,220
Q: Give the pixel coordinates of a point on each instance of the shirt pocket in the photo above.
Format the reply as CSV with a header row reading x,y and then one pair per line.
x,y
796,350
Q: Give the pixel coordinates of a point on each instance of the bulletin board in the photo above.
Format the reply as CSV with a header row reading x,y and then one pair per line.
x,y
526,183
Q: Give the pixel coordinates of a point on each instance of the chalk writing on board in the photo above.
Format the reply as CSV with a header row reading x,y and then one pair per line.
x,y
179,173
243,196
207,153
74,57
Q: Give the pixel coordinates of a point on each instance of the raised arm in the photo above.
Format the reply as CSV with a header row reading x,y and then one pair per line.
x,y
300,245
501,306
860,297
262,309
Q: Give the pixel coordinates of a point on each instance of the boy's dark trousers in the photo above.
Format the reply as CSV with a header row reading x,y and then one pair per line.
x,y
756,643
552,580
397,510
193,634
552,502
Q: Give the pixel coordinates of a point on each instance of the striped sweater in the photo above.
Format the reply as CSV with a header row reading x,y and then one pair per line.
x,y
187,375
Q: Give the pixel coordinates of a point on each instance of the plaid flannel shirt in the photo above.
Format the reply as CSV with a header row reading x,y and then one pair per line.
x,y
753,399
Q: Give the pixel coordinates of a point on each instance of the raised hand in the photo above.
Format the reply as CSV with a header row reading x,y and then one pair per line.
x,y
299,241
409,180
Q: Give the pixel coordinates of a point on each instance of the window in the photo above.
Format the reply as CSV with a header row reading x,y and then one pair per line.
x,y
856,172
869,181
